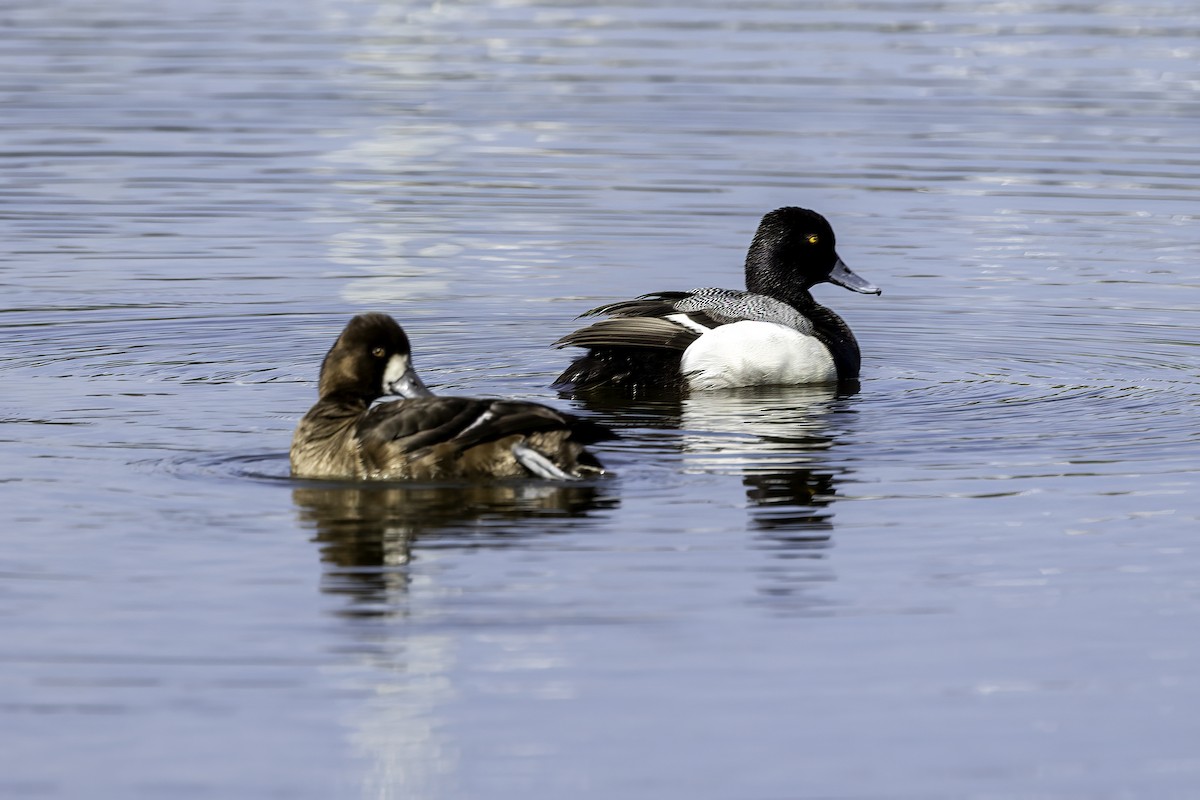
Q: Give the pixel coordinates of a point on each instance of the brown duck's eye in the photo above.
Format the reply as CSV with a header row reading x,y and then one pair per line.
x,y
812,238
378,352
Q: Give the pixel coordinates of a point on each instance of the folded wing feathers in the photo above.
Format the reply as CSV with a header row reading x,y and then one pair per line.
x,y
659,304
631,332
707,306
653,320
421,422
464,422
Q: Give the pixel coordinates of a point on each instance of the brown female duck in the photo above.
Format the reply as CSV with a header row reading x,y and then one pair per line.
x,y
422,436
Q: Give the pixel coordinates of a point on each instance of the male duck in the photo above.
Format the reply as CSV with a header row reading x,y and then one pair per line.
x,y
773,333
423,436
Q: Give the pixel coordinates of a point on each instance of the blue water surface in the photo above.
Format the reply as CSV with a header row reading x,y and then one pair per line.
x,y
976,577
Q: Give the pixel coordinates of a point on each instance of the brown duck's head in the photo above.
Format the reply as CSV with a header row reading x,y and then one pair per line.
x,y
371,358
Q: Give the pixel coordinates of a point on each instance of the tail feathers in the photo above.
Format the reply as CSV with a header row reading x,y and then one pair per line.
x,y
539,465
555,456
586,431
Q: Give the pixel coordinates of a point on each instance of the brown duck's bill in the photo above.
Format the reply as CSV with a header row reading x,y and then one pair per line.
x,y
845,277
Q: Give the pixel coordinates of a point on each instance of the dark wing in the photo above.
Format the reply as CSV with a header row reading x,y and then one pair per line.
x,y
658,304
464,422
419,422
641,343
663,320
632,332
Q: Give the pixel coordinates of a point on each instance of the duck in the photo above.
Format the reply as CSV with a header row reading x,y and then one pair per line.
x,y
423,436
773,333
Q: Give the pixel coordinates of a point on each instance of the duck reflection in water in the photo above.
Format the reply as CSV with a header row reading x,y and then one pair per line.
x,y
778,439
368,532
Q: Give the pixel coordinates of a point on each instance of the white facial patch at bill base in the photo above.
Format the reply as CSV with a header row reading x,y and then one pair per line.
x,y
394,372
400,379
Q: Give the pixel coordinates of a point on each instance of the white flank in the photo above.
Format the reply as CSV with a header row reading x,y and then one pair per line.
x,y
756,354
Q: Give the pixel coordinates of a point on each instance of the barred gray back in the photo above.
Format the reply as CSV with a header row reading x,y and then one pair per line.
x,y
728,305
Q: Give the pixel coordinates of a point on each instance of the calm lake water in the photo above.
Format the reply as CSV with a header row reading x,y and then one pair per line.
x,y
977,577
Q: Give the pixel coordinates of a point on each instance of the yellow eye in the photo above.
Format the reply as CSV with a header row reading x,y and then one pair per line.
x,y
812,238
378,352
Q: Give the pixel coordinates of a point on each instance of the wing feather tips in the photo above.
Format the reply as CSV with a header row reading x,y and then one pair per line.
x,y
656,304
631,332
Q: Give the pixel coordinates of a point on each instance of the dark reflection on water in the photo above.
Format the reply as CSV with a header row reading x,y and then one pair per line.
x,y
775,437
790,504
368,533
779,440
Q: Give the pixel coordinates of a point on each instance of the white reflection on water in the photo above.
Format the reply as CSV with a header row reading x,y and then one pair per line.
x,y
755,428
400,728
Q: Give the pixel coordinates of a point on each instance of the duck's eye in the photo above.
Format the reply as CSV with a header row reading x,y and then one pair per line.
x,y
378,352
812,238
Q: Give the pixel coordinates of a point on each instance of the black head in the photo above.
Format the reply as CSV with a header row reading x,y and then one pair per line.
x,y
795,249
370,359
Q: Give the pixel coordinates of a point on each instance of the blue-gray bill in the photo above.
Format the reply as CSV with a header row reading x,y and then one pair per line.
x,y
847,278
